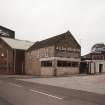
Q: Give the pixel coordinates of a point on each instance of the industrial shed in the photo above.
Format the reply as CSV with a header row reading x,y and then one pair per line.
x,y
55,56
12,55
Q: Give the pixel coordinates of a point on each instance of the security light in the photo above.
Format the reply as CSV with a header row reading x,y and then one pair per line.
x,y
2,54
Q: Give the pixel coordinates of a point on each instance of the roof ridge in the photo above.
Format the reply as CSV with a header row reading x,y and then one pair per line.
x,y
17,44
53,40
16,39
52,37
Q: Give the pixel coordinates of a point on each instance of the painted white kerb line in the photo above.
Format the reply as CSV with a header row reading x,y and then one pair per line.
x,y
15,85
46,94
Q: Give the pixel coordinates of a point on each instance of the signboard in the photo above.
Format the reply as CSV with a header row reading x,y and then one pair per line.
x,y
4,32
61,48
68,52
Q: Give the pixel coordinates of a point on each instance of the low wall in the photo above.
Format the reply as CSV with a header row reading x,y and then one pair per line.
x,y
47,71
66,71
60,71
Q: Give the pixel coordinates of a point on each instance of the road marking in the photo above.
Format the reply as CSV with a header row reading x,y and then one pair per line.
x,y
15,85
38,92
46,94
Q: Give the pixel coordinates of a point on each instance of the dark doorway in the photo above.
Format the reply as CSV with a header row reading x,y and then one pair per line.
x,y
19,61
100,68
84,67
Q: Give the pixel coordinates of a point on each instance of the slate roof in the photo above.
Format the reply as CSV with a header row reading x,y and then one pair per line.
x,y
17,44
54,40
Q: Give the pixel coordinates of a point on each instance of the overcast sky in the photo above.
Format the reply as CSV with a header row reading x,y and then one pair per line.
x,y
35,20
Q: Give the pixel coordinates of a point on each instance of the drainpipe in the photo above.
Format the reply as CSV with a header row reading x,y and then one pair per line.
x,y
7,62
14,60
55,67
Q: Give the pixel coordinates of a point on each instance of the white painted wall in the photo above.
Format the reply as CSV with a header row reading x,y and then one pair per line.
x,y
97,63
95,66
92,68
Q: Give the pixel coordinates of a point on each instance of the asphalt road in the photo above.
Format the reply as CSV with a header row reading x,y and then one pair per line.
x,y
16,92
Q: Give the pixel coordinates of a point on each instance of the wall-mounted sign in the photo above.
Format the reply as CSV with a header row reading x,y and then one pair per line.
x,y
61,48
4,32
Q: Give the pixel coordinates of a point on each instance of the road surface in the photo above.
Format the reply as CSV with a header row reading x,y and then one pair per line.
x,y
4,102
16,92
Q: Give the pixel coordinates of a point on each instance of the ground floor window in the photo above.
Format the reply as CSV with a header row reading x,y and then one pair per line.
x,y
46,63
67,64
74,64
63,64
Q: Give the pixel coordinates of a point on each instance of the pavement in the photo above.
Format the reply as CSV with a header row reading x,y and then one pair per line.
x,y
18,92
18,76
89,83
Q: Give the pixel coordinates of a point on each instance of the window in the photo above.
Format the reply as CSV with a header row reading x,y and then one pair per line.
x,y
74,64
46,63
67,64
64,64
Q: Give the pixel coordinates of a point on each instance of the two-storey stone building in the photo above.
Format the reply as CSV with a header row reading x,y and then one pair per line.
x,y
58,55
